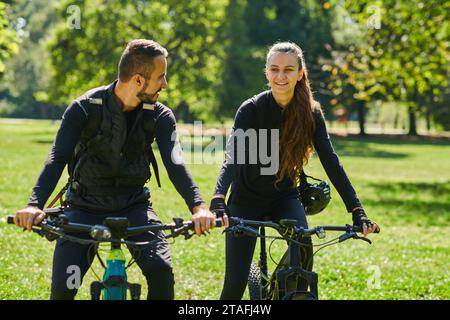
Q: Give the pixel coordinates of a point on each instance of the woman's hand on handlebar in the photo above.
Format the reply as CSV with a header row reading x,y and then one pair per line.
x,y
220,209
28,217
360,219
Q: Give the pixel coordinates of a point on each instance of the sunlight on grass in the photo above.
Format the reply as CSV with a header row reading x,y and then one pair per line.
x,y
404,186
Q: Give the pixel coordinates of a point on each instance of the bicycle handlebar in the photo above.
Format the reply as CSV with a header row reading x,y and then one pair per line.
x,y
104,233
131,231
289,226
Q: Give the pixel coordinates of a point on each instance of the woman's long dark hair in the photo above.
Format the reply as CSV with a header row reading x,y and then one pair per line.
x,y
296,142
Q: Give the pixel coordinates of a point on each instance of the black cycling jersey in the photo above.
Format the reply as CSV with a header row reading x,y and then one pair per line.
x,y
248,186
74,121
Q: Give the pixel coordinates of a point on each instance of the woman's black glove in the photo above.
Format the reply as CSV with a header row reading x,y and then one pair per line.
x,y
360,218
219,207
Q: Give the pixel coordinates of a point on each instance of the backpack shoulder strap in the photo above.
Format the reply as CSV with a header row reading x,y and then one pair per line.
x,y
93,103
150,113
154,164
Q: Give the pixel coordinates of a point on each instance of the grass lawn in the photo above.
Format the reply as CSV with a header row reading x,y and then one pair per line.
x,y
404,186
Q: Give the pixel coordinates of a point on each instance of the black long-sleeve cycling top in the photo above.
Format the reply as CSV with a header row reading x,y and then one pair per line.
x,y
74,121
248,186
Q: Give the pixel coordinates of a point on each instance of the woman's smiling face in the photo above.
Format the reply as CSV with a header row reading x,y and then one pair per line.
x,y
282,71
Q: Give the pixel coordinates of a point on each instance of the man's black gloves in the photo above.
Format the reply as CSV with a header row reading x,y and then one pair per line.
x,y
219,207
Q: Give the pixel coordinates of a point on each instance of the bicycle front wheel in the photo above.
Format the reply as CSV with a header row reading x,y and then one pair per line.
x,y
255,289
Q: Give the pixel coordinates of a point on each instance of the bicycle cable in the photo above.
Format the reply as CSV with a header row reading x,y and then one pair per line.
x,y
328,243
325,243
270,253
321,245
90,262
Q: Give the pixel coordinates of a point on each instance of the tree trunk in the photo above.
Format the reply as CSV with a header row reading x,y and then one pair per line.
x,y
412,122
396,120
362,118
428,119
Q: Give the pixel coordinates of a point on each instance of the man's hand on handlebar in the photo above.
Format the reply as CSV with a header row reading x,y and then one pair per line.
x,y
203,219
28,217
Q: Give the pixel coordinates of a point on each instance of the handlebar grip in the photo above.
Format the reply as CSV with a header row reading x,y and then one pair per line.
x,y
190,224
10,219
360,229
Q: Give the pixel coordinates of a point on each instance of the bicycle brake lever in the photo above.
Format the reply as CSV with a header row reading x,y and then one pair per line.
x,y
347,236
188,235
362,238
185,232
231,229
250,232
353,235
50,237
239,231
38,231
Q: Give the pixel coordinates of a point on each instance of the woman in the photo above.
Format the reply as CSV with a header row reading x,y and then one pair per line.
x,y
288,109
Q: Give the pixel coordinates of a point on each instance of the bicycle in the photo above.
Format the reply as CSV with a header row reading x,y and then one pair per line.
x,y
282,284
114,284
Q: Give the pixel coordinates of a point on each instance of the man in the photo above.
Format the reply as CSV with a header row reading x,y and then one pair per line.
x,y
105,138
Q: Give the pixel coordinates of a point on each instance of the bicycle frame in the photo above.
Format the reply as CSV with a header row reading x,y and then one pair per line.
x,y
115,283
283,284
279,283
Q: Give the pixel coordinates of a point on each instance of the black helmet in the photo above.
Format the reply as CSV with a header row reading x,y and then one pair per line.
x,y
315,197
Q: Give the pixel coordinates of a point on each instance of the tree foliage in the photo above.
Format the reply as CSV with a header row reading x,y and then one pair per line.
x,y
87,56
356,51
8,37
404,58
253,26
26,79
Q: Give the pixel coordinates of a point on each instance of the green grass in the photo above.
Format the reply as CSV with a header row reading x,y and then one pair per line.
x,y
404,186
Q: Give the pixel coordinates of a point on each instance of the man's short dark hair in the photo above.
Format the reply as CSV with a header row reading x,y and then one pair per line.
x,y
137,58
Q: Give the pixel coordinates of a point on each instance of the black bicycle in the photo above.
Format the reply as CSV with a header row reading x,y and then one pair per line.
x,y
283,283
114,285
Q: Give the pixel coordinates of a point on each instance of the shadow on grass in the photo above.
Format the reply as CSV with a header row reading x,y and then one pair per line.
x,y
425,203
360,148
43,141
350,146
343,146
355,146
394,140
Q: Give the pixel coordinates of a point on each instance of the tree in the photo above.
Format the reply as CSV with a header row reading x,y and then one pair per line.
x,y
87,56
347,92
404,57
26,78
8,37
241,63
253,26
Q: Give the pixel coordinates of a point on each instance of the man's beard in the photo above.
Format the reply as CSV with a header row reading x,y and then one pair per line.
x,y
145,97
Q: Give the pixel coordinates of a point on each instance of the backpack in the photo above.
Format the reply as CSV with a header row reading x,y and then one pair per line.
x,y
94,100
